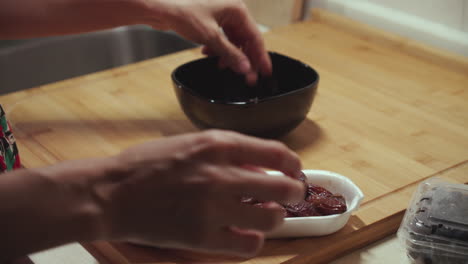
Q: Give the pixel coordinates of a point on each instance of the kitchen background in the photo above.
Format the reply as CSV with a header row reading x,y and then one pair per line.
x,y
440,23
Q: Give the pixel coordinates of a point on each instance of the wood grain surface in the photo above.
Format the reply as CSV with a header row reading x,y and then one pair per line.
x,y
389,113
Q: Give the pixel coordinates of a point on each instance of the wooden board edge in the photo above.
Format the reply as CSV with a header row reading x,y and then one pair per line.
x,y
414,184
410,47
358,239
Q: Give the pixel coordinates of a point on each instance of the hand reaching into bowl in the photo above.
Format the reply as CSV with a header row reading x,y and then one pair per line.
x,y
223,26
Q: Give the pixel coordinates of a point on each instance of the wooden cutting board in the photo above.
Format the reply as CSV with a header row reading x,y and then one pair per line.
x,y
389,113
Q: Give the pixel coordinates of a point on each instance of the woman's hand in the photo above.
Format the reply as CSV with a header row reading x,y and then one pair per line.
x,y
223,26
240,47
177,192
185,191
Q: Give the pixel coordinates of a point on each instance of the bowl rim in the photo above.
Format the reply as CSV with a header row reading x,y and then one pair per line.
x,y
359,195
180,85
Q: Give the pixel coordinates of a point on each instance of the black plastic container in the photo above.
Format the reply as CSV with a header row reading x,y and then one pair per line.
x,y
435,226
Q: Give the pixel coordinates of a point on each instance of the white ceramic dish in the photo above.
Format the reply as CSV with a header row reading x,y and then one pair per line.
x,y
321,225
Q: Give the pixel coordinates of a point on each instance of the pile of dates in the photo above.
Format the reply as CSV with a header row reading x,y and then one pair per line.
x,y
318,201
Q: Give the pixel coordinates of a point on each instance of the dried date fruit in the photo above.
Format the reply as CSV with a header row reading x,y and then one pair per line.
x,y
301,209
313,189
328,205
318,201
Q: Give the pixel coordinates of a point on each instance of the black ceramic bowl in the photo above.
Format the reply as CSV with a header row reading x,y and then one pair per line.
x,y
215,98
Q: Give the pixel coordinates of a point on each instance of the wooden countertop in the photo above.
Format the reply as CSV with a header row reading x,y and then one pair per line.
x,y
389,113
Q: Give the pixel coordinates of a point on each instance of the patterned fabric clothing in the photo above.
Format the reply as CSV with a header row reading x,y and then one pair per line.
x,y
9,157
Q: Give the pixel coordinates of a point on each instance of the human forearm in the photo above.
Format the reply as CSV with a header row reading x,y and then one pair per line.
x,y
146,194
32,18
42,208
239,44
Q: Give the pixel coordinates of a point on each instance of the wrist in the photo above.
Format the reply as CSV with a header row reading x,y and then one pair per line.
x,y
158,13
81,214
50,206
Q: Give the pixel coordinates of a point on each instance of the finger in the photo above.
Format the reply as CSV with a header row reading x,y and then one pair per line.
x,y
252,168
232,55
251,78
239,149
243,32
264,187
237,242
256,51
222,64
270,154
264,217
206,51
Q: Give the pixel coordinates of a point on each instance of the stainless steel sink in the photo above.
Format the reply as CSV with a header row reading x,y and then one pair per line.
x,y
28,63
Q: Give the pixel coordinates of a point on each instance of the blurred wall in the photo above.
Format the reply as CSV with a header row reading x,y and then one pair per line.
x,y
274,13
440,23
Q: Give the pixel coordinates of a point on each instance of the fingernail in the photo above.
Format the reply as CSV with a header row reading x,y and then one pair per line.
x,y
244,66
251,78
